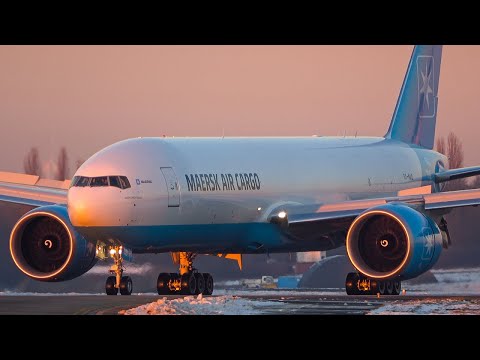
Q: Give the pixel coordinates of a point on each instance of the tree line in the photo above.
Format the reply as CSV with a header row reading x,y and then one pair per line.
x,y
32,164
452,148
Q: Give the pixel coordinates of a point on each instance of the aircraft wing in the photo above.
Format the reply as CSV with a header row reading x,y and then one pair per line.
x,y
335,216
31,190
332,217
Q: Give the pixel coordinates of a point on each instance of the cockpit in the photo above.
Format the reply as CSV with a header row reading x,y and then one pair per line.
x,y
120,182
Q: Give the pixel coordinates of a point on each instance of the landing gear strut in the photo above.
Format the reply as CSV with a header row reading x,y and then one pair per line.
x,y
117,281
188,281
357,284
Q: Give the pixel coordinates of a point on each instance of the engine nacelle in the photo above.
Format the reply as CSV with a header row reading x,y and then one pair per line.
x,y
393,241
45,246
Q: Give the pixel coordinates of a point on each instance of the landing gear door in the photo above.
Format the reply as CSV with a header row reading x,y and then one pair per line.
x,y
172,186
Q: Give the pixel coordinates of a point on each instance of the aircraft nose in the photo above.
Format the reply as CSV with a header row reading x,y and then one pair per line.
x,y
98,207
81,208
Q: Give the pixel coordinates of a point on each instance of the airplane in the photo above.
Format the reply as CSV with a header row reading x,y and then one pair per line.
x,y
380,197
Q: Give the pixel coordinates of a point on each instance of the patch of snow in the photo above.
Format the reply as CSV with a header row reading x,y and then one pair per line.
x,y
228,283
199,305
278,292
456,270
444,289
430,307
449,283
458,276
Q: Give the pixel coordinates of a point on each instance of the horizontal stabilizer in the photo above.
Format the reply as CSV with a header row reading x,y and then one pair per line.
x,y
456,174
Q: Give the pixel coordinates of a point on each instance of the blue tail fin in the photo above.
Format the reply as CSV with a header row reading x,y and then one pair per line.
x,y
415,115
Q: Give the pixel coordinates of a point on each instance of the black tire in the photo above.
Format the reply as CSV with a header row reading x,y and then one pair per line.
x,y
351,284
389,287
200,280
381,287
397,287
189,284
126,285
208,284
162,284
110,288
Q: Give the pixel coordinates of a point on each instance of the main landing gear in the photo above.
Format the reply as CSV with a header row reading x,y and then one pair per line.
x,y
117,281
357,284
188,282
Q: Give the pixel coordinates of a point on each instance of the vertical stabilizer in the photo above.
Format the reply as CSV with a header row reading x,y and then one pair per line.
x,y
415,115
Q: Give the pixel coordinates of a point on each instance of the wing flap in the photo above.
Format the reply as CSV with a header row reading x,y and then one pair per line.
x,y
18,178
25,179
452,199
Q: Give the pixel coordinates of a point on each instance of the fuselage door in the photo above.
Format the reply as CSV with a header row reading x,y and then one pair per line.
x,y
172,186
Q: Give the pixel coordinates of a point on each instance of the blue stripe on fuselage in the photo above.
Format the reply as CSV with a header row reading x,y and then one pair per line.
x,y
203,238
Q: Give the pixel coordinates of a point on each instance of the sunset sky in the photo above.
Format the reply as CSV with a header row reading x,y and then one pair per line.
x,y
87,97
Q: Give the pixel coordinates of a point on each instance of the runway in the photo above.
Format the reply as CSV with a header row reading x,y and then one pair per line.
x,y
69,304
263,302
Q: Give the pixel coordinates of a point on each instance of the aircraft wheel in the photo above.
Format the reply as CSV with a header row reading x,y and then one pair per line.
x,y
397,287
208,284
189,284
389,287
162,284
110,288
126,285
381,287
351,284
200,280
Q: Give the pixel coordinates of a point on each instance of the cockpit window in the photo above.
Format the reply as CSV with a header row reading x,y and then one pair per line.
x,y
120,182
82,181
74,181
99,181
114,181
124,182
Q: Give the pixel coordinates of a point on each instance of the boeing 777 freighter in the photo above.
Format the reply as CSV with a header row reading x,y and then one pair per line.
x,y
380,197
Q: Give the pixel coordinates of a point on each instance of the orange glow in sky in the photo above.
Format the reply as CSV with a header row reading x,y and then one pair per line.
x,y
87,97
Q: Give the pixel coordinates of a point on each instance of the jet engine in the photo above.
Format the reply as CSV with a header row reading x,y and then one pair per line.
x,y
393,241
45,246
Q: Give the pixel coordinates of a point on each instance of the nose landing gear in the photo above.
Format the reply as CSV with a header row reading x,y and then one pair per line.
x,y
188,281
117,281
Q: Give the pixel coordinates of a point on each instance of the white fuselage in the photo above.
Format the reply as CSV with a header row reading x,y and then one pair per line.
x,y
182,182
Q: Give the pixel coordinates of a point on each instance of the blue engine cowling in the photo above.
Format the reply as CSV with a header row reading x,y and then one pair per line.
x,y
45,246
393,241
